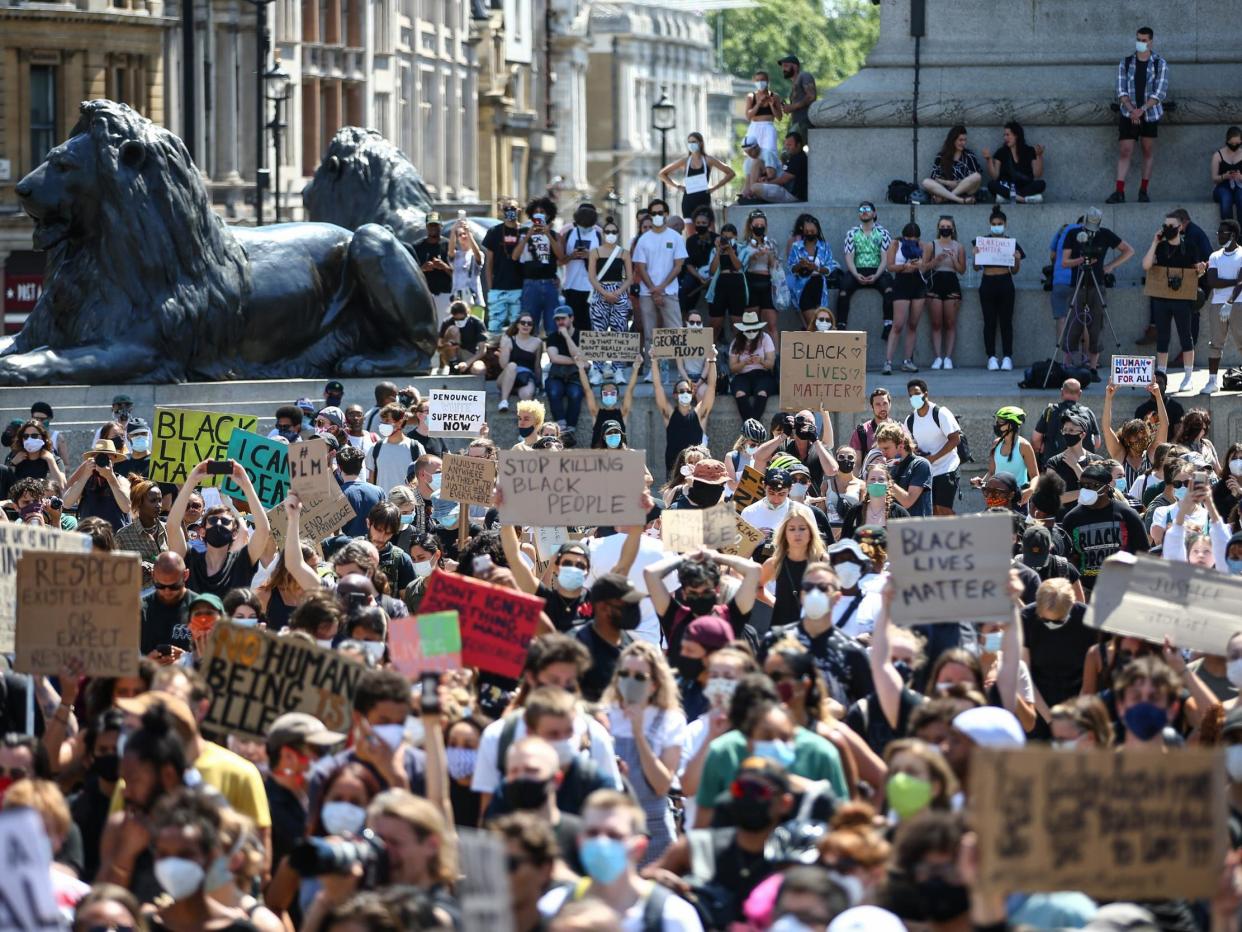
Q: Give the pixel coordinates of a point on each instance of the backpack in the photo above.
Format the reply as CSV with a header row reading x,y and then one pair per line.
x,y
374,453
899,191
864,441
653,908
963,445
1231,379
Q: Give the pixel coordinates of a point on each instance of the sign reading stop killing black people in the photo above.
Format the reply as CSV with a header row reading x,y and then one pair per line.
x,y
256,676
951,569
566,488
825,371
455,413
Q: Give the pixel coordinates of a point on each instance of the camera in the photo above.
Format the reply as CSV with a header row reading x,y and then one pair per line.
x,y
1175,282
313,857
57,503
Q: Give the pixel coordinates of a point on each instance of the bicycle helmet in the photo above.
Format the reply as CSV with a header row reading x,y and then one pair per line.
x,y
782,461
754,431
1011,413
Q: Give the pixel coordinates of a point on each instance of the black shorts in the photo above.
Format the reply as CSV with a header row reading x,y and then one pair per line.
x,y
760,290
729,297
945,286
908,286
1145,130
944,489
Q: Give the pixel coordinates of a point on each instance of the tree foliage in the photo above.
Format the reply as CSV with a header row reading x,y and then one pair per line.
x,y
831,45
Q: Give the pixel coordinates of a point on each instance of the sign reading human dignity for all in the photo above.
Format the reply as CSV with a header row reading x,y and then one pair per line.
x,y
610,345
1133,370
1145,825
824,371
572,487
453,413
951,569
78,611
15,539
680,343
181,438
469,479
1147,597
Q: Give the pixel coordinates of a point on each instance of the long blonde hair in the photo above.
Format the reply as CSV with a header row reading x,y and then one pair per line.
x,y
664,692
815,551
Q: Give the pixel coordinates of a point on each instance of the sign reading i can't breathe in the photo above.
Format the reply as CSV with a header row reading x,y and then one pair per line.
x,y
454,413
951,569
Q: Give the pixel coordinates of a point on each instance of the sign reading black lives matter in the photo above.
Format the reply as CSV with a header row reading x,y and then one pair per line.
x,y
455,413
565,488
951,569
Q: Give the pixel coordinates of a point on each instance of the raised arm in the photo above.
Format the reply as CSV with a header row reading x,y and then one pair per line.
x,y
1111,441
176,514
1162,419
262,533
302,572
76,483
654,575
1011,651
704,406
661,399
628,401
522,575
888,682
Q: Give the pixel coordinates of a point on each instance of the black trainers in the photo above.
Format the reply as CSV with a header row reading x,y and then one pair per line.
x,y
1143,198
1117,197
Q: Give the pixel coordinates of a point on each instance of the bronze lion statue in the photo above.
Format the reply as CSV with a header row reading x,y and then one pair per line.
x,y
145,283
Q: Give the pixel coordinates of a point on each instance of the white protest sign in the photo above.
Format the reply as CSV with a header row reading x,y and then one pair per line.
x,y
453,413
1133,370
27,903
310,475
690,529
951,569
14,539
995,250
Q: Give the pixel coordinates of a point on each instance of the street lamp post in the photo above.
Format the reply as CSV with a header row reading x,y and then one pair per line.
x,y
279,89
663,118
263,40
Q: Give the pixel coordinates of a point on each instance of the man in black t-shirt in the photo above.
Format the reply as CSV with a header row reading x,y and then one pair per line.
x,y
1047,439
615,613
463,343
432,255
794,176
1100,526
502,275
1086,248
166,611
1071,461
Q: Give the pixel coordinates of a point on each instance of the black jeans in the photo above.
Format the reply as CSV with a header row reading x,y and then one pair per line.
x,y
1164,312
850,284
996,299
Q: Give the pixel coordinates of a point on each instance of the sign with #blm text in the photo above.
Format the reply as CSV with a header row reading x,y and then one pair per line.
x,y
826,371
266,462
453,413
951,569
1148,597
568,488
690,529
1144,825
181,438
310,474
469,479
15,539
256,676
1133,370
610,345
497,623
680,343
78,609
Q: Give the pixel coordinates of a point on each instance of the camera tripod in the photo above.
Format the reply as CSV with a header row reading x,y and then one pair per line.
x,y
1083,316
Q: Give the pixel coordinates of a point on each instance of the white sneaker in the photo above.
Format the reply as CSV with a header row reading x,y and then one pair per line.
x,y
504,405
650,376
611,372
1211,386
948,363
1186,380
1006,364
993,364
596,377
937,363
1034,199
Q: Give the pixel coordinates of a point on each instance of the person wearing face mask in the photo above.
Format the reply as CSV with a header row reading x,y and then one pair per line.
x,y
1011,452
611,273
1039,554
614,615
389,460
996,295
909,258
728,293
696,272
366,626
657,260
1142,88
937,436
760,260
811,268
94,487
1056,640
138,442
502,274
540,253
699,594
1100,526
866,258
295,741
534,777
1173,267
843,491
1147,692
924,885
944,291
579,241
753,433
233,874
763,109
1224,278
752,357
226,563
88,807
696,183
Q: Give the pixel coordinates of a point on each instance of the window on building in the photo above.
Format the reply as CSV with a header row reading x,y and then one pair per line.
x,y
43,133
383,103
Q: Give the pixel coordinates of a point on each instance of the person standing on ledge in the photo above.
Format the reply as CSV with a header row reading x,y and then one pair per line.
x,y
801,95
1142,88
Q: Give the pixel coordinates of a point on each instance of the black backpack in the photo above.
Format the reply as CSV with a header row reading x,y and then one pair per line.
x,y
1231,379
899,191
963,445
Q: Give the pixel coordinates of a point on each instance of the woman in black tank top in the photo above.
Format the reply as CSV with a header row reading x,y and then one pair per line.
x,y
696,168
685,421
1227,173
610,405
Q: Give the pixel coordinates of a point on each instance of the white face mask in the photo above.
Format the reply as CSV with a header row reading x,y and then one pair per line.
x,y
823,326
1233,762
719,691
815,604
391,735
342,818
848,573
179,877
325,643
374,650
385,430
422,569
1235,468
1140,46
657,220
1233,672
32,444
798,491
1088,497
610,238
565,751
685,398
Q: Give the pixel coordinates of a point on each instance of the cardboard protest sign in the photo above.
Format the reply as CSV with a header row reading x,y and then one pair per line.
x,y
679,343
322,517
469,479
497,623
257,675
995,250
181,438
484,888
951,569
572,487
1115,826
309,472
825,371
81,608
425,643
1133,370
1148,597
266,462
612,345
27,901
455,414
690,529
1175,284
14,540
749,488
749,538
548,540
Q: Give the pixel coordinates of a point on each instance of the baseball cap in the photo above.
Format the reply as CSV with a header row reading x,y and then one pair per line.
x,y
208,599
1093,218
615,586
847,545
433,217
1036,545
1076,418
122,400
333,415
990,727
334,386
777,477
300,728
563,310
789,60
872,533
709,631
1122,917
799,469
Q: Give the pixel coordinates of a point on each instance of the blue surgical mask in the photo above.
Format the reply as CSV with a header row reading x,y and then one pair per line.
x,y
916,402
997,229
407,519
435,483
570,577
992,641
778,752
604,859
1140,46
141,443
1235,566
613,441
1121,485
1179,494
461,761
609,400
1145,720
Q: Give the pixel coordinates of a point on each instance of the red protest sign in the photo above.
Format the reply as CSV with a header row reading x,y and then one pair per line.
x,y
497,623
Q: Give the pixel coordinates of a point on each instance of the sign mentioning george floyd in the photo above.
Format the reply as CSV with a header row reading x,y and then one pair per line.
x,y
497,623
951,569
1148,597
690,529
610,345
78,609
256,676
1143,825
455,414
15,539
680,343
1133,370
182,438
266,462
469,479
825,371
309,472
566,488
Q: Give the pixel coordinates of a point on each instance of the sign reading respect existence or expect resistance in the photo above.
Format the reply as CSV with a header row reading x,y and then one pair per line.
x,y
951,569
181,438
15,539
825,371
455,413
572,487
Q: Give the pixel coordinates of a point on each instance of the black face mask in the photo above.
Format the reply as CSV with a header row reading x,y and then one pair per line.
x,y
759,231
943,900
752,818
702,229
218,536
810,235
525,793
701,604
107,767
845,463
1000,430
510,213
946,232
690,667
903,670
1233,146
704,494
628,617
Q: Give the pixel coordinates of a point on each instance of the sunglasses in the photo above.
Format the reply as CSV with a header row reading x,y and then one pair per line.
x,y
819,586
169,587
219,521
13,773
636,677
750,789
32,436
526,323
194,506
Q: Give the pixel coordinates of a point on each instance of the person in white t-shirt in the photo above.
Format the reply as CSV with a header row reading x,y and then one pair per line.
x,y
657,258
936,436
1224,277
767,513
606,551
577,241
